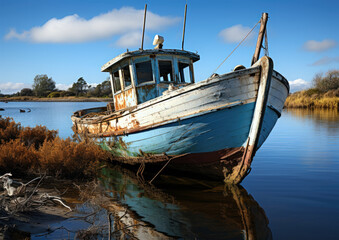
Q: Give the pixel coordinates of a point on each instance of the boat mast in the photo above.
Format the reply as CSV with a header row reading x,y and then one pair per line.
x,y
262,31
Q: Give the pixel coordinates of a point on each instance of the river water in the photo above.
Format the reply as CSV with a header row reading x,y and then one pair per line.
x,y
292,191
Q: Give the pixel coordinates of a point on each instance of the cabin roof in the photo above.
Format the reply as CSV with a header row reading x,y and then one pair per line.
x,y
106,67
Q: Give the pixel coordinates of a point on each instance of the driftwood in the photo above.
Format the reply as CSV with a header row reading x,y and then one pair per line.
x,y
19,197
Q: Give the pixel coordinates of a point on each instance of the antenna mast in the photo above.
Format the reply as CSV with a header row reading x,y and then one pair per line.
x,y
143,29
183,31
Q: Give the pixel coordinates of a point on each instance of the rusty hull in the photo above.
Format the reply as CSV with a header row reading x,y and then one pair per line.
x,y
232,164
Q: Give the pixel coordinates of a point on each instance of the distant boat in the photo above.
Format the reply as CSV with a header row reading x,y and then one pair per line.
x,y
160,115
2,109
23,110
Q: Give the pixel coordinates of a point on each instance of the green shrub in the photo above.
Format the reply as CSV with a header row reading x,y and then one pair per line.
x,y
311,91
54,95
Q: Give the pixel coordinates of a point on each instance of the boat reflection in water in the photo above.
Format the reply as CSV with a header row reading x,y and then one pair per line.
x,y
182,208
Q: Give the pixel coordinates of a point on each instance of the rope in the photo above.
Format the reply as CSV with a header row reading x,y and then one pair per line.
x,y
237,46
150,182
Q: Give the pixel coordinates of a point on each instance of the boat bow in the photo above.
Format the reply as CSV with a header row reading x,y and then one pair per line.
x,y
241,170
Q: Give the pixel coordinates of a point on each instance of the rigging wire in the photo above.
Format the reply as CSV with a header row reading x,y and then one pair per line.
x,y
236,47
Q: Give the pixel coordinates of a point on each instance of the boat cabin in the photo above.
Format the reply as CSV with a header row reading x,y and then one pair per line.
x,y
142,75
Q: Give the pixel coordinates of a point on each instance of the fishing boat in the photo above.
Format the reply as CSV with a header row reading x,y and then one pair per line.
x,y
161,115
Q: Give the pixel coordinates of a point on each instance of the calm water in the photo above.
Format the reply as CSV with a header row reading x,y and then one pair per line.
x,y
53,115
291,193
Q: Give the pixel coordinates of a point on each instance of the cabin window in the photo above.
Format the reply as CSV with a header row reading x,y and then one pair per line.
x,y
144,72
166,72
116,81
127,76
184,72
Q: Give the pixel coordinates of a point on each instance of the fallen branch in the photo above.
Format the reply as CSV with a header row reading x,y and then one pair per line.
x,y
18,197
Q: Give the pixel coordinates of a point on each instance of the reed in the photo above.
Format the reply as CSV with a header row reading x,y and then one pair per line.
x,y
313,98
25,150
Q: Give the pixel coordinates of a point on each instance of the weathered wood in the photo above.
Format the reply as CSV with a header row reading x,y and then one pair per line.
x,y
262,30
146,52
240,171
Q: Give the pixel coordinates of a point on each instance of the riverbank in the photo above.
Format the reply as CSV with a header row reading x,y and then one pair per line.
x,y
35,207
57,99
313,98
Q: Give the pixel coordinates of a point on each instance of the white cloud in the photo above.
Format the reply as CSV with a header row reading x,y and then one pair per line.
x,y
9,87
325,61
13,34
315,46
131,39
73,28
61,86
298,85
235,33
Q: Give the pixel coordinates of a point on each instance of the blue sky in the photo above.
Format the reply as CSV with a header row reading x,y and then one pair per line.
x,y
68,39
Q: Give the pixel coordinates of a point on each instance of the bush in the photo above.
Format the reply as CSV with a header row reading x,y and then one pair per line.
x,y
66,94
54,95
36,136
17,158
329,82
311,91
9,130
70,159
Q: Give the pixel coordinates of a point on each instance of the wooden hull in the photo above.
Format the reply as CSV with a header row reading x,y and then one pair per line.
x,y
215,125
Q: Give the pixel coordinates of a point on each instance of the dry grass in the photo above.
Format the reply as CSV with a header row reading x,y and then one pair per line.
x,y
17,158
70,159
312,98
25,150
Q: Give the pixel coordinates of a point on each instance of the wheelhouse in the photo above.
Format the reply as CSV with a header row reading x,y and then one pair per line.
x,y
139,76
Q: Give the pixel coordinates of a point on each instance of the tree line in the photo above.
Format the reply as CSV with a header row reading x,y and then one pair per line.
x,y
44,86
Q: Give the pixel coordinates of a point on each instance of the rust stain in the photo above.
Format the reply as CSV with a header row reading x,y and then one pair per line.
x,y
119,100
124,99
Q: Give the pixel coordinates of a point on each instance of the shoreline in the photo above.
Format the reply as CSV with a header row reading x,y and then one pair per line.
x,y
294,100
67,99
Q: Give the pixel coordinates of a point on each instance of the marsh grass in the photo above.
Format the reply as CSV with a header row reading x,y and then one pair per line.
x,y
25,150
313,98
